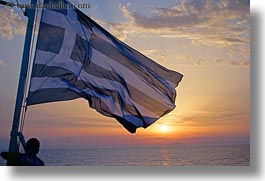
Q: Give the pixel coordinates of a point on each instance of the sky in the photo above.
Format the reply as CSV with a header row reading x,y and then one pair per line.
x,y
207,41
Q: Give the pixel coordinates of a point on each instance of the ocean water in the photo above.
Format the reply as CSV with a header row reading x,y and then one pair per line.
x,y
217,155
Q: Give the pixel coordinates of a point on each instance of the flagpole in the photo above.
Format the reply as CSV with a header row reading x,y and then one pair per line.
x,y
30,13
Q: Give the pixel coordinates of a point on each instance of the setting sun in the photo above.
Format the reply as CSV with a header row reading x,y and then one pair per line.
x,y
164,128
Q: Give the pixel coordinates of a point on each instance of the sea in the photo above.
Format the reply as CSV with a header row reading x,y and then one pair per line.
x,y
207,155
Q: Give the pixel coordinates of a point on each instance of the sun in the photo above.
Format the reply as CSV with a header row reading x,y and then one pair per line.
x,y
164,128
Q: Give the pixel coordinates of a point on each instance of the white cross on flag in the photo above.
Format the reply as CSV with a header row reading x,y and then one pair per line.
x,y
77,58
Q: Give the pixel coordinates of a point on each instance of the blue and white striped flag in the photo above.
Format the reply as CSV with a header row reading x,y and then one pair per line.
x,y
77,58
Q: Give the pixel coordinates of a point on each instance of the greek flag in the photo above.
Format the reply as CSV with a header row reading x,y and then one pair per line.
x,y
76,58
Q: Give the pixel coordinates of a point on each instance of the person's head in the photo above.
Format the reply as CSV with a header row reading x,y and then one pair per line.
x,y
32,146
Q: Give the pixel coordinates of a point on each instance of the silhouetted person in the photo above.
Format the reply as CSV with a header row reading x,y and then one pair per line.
x,y
29,158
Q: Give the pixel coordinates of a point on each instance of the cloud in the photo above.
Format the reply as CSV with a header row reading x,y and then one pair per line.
x,y
187,60
222,23
238,63
11,23
206,118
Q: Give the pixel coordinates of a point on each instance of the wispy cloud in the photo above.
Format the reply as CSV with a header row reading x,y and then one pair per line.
x,y
221,24
187,60
11,23
207,22
238,63
207,118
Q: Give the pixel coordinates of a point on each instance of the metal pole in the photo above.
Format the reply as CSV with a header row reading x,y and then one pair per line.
x,y
30,13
